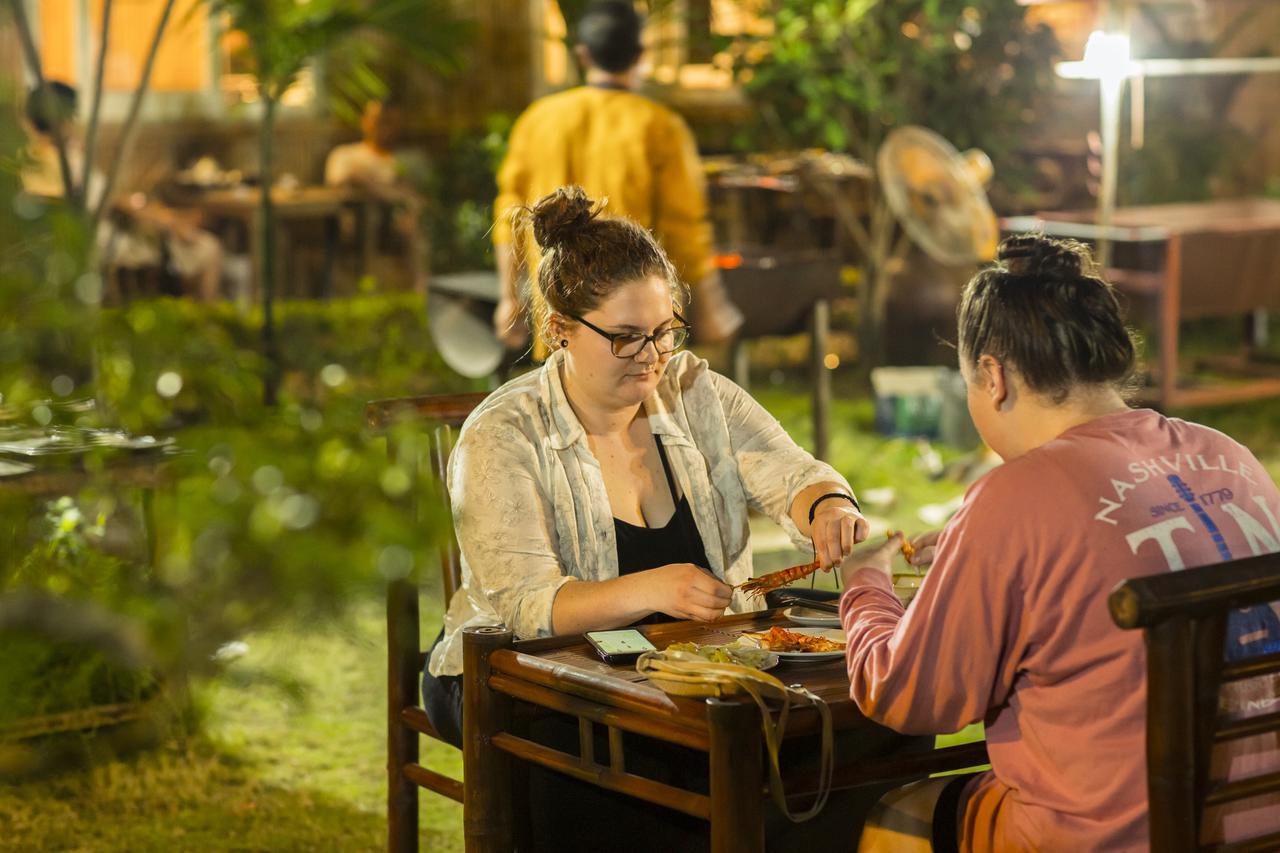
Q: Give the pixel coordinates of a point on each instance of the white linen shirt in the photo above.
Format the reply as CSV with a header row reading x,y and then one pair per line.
x,y
532,513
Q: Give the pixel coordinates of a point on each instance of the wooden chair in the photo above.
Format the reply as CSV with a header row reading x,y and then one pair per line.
x,y
405,658
1184,615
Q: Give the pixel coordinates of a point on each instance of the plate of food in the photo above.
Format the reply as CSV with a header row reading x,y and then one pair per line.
x,y
802,644
808,616
741,653
690,669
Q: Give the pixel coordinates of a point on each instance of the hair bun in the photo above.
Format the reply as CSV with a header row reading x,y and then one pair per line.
x,y
1037,256
562,214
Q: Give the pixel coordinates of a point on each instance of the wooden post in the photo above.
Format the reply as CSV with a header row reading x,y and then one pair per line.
x,y
1170,311
1171,736
332,233
487,807
369,211
821,378
737,777
450,557
402,742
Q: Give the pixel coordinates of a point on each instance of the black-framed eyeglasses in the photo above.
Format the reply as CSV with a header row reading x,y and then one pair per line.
x,y
631,344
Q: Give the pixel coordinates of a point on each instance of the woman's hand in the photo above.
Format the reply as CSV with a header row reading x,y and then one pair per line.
x,y
925,545
837,527
685,591
878,556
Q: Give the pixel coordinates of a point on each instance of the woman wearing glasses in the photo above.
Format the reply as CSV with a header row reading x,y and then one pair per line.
x,y
611,485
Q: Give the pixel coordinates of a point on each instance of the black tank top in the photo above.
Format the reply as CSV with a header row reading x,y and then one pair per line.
x,y
678,541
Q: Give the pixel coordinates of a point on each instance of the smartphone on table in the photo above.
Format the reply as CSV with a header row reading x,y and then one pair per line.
x,y
619,646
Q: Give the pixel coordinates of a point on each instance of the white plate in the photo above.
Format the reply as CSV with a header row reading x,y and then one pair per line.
x,y
13,469
834,634
802,615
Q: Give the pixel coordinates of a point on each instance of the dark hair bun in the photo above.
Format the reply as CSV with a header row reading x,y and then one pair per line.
x,y
1037,256
558,217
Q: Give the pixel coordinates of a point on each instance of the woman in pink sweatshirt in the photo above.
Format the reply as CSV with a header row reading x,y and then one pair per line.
x,y
1011,625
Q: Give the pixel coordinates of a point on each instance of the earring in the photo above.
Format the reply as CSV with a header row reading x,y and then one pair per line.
x,y
564,342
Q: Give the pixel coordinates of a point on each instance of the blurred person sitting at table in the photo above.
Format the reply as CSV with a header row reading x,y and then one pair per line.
x,y
140,232
612,483
375,167
617,145
1011,624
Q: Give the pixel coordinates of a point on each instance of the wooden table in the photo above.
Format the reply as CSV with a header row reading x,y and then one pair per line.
x,y
68,474
305,204
1196,259
564,674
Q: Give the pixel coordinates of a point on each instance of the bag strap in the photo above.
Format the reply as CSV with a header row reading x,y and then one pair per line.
x,y
688,668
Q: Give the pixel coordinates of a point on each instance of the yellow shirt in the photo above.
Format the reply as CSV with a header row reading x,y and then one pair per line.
x,y
617,145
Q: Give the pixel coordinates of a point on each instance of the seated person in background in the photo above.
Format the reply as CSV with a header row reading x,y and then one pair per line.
x,y
374,167
137,229
1011,625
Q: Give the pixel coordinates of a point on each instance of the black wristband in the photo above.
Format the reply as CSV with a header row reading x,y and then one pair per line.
x,y
813,507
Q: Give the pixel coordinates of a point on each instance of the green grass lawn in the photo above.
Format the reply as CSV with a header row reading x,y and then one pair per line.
x,y
292,754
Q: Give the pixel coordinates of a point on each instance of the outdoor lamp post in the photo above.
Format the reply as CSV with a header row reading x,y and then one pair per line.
x,y
1106,59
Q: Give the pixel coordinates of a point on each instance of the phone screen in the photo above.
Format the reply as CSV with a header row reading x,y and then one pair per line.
x,y
625,642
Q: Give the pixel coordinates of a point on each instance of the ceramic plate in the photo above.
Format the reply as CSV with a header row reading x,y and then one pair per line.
x,y
802,615
834,634
13,469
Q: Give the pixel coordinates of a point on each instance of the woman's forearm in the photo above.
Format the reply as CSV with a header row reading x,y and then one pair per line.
x,y
599,605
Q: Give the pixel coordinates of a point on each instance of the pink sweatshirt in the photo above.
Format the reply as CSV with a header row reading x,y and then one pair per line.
x,y
1011,625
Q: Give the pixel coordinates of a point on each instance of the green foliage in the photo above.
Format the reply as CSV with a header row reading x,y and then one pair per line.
x,y
285,35
839,74
39,677
338,353
292,509
460,214
45,297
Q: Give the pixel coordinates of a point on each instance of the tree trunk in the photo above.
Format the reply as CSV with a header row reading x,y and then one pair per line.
x,y
267,272
871,318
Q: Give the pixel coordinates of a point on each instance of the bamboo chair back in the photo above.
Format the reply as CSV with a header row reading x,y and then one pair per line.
x,y
1184,616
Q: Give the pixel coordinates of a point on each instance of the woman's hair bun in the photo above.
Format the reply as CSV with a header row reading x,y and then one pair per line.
x,y
562,214
1037,256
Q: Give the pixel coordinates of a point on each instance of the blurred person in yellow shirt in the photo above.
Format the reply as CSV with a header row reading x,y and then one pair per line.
x,y
617,145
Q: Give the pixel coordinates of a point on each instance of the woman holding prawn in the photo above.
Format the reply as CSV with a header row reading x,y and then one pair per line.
x,y
611,485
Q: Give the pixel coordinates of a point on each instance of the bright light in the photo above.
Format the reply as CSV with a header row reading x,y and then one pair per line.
x,y
1106,57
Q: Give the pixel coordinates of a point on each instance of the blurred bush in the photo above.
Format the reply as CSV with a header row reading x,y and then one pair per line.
x,y
264,512
112,593
461,190
267,511
841,74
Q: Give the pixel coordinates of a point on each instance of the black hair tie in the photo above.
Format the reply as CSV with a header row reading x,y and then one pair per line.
x,y
813,507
